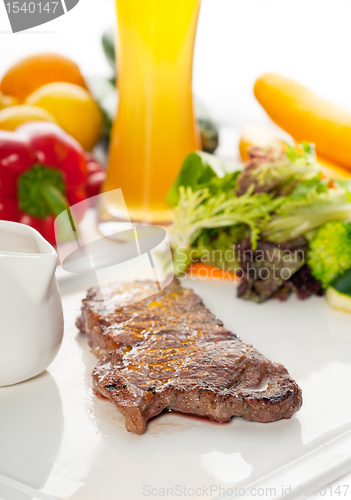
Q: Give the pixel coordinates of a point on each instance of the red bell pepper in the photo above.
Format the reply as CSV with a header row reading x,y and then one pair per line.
x,y
43,171
96,176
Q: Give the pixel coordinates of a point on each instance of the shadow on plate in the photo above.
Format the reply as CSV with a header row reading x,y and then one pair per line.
x,y
31,427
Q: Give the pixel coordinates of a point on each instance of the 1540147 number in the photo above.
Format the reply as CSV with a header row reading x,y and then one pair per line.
x,y
31,7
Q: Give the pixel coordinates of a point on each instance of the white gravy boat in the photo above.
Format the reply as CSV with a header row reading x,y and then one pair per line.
x,y
31,318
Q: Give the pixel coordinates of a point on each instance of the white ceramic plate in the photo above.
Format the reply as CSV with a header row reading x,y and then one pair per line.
x,y
59,440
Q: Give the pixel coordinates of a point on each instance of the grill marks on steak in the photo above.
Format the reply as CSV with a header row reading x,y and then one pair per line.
x,y
169,352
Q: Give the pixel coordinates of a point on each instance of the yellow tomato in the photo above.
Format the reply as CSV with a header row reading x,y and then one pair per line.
x,y
14,116
74,110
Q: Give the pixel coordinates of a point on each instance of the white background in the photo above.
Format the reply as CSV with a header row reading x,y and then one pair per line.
x,y
308,40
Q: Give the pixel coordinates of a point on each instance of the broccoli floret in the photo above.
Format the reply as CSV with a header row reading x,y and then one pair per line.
x,y
330,251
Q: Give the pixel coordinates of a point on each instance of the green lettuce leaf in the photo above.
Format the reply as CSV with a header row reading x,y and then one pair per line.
x,y
345,184
298,216
202,170
277,200
201,210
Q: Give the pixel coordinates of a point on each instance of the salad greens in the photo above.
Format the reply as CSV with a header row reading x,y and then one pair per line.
x,y
277,197
199,210
300,215
277,173
202,170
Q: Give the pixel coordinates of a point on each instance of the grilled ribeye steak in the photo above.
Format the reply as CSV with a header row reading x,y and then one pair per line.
x,y
169,352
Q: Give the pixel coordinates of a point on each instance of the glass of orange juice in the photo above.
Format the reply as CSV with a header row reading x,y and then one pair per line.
x,y
155,127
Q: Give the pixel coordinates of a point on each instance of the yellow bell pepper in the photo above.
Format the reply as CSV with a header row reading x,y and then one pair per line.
x,y
307,116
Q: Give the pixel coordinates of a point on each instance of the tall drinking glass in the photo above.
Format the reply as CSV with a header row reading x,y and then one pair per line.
x,y
155,127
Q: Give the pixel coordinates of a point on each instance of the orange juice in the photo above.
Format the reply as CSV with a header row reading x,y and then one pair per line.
x,y
155,127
